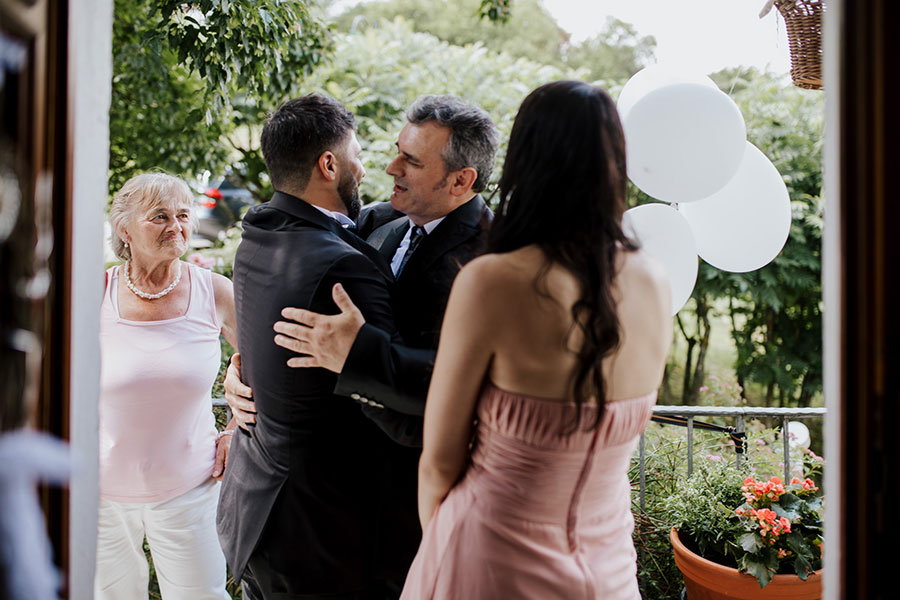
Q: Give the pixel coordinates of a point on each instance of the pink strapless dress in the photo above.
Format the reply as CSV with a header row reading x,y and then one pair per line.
x,y
537,515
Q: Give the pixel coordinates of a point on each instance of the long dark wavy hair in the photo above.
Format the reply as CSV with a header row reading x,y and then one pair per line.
x,y
563,189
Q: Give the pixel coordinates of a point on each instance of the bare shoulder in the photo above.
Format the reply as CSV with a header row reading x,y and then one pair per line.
x,y
221,284
642,274
483,266
644,305
499,275
222,288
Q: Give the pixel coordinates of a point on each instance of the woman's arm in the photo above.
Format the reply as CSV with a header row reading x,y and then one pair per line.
x,y
463,359
224,296
224,293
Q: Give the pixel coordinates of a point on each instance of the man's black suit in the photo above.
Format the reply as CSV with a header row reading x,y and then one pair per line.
x,y
382,371
297,507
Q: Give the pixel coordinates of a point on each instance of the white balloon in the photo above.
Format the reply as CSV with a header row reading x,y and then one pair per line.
x,y
684,141
664,234
656,76
799,434
743,226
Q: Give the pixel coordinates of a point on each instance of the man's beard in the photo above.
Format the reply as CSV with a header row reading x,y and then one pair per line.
x,y
348,190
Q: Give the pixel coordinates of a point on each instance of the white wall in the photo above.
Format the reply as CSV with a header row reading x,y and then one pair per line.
x,y
90,80
831,297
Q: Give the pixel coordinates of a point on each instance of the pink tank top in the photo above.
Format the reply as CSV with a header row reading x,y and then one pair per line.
x,y
157,430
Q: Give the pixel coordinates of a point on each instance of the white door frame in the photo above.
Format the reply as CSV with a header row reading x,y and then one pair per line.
x,y
90,90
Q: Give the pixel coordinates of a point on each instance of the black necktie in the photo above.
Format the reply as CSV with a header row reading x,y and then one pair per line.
x,y
415,238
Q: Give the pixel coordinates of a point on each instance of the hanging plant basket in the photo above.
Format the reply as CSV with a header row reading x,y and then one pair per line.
x,y
803,19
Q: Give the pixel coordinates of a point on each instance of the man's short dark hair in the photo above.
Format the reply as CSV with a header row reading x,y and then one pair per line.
x,y
473,135
296,135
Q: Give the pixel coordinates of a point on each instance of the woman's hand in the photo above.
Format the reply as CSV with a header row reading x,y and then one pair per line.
x,y
223,446
430,497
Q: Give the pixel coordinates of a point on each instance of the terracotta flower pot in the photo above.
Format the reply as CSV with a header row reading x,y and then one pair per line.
x,y
706,580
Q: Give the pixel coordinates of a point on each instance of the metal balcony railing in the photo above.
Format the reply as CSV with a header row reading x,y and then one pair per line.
x,y
740,414
689,413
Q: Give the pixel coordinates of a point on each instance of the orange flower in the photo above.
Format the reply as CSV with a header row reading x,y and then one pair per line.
x,y
764,514
785,524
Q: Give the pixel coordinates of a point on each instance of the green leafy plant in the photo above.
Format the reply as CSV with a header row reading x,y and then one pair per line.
x,y
664,468
702,508
781,528
762,528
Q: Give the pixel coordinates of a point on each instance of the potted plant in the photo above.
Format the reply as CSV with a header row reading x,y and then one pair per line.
x,y
736,537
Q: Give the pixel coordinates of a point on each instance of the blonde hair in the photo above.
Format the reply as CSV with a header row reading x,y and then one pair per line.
x,y
144,191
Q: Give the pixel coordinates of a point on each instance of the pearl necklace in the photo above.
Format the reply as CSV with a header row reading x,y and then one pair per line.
x,y
144,294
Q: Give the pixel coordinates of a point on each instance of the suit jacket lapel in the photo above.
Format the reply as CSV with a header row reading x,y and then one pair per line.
x,y
373,254
303,210
387,238
456,228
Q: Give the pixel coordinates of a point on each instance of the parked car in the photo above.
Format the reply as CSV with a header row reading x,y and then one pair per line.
x,y
220,207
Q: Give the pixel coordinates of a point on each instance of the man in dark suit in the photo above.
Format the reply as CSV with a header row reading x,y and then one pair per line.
x,y
293,518
435,223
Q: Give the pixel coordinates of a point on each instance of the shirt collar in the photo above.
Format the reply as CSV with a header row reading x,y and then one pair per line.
x,y
429,226
342,219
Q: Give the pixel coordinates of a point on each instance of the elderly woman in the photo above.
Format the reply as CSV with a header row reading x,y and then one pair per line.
x,y
160,456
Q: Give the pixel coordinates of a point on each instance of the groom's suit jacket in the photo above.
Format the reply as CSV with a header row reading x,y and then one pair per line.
x,y
298,494
381,370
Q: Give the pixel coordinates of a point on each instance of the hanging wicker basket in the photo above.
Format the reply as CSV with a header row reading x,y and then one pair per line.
x,y
804,30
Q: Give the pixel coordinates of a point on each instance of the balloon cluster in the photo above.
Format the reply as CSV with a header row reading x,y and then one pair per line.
x,y
686,145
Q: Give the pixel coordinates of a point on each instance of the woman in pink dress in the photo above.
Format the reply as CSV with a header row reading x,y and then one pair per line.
x,y
553,344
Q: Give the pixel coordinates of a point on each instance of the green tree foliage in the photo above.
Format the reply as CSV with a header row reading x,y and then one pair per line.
x,y
193,82
614,54
178,67
380,70
496,10
531,32
779,345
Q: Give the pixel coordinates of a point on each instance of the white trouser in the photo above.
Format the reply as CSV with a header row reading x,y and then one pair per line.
x,y
182,536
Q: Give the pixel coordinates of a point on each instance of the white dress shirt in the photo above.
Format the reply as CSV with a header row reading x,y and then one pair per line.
x,y
404,243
